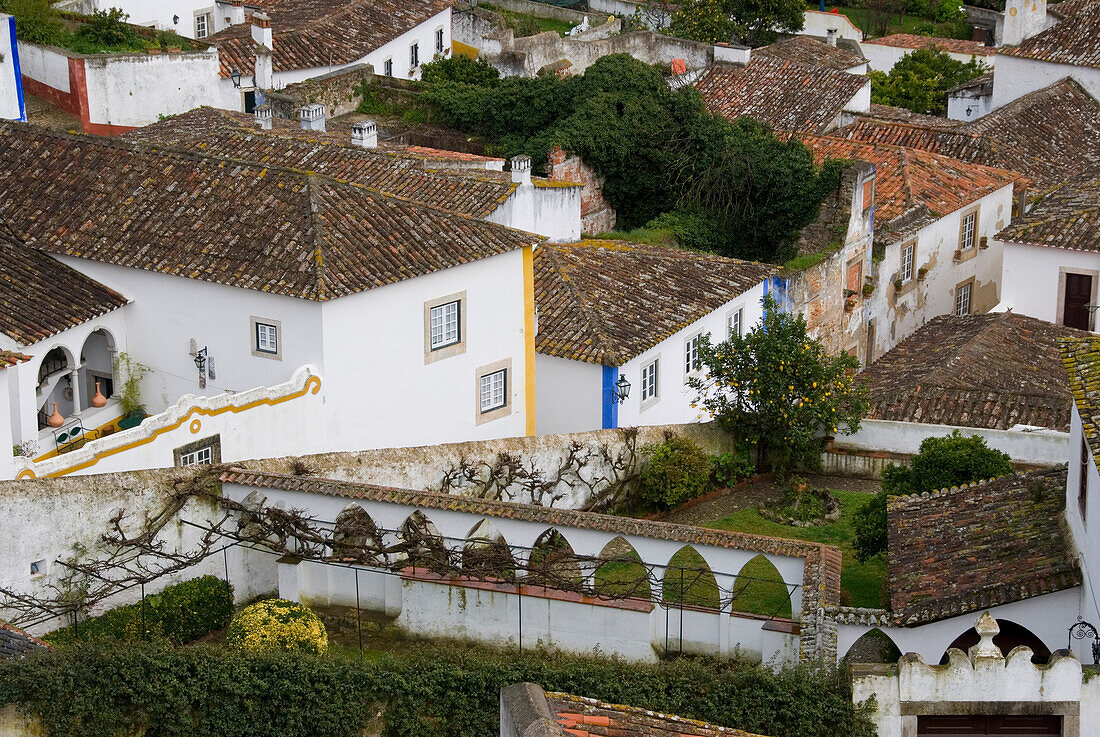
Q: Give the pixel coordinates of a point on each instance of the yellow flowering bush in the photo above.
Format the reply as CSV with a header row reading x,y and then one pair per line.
x,y
277,625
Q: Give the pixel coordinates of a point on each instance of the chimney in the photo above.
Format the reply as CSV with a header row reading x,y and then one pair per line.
x,y
263,115
312,117
261,30
1023,19
730,54
830,36
521,170
236,12
264,71
364,134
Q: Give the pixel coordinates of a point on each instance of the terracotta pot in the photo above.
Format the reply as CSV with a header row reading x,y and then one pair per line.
x,y
174,49
98,400
56,420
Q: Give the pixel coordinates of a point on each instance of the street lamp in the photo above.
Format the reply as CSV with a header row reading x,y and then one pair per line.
x,y
621,390
235,75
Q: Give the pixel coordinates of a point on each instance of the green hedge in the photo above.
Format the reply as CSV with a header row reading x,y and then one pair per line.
x,y
426,690
180,613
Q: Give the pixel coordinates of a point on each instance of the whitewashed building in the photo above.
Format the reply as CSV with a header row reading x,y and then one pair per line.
x,y
12,105
619,325
197,19
1052,256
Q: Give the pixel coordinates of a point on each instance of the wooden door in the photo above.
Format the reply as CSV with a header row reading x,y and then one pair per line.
x,y
1078,294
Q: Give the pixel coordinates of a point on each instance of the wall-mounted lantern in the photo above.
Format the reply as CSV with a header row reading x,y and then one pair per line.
x,y
621,390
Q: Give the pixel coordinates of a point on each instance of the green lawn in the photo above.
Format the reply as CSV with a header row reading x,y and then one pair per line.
x,y
529,25
907,24
627,577
862,581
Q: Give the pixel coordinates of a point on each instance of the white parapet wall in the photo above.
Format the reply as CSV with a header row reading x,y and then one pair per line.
x,y
1038,446
12,105
263,422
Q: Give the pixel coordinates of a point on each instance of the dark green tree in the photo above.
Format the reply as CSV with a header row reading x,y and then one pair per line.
x,y
920,81
753,22
950,460
461,69
777,388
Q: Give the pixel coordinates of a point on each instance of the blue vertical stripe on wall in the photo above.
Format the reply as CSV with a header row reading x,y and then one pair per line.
x,y
610,403
18,72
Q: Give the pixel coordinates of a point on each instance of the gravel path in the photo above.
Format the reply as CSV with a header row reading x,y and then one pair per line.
x,y
762,493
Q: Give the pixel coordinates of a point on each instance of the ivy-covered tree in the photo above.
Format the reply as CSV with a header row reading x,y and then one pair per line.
x,y
460,69
778,389
753,22
941,462
920,81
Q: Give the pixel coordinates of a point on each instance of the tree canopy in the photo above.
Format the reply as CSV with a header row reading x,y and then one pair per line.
x,y
778,389
733,188
921,80
752,22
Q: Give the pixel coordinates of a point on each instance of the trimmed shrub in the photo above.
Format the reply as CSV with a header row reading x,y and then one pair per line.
x,y
179,614
278,625
460,69
423,691
677,470
730,468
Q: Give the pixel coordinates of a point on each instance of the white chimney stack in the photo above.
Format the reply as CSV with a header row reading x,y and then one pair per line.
x,y
521,170
364,134
265,71
729,54
264,116
236,12
830,36
261,30
312,117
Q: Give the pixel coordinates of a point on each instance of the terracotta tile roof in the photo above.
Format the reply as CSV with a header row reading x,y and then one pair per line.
x,y
582,717
309,34
1081,357
982,83
965,549
787,95
906,178
1048,135
10,358
223,220
993,371
1072,41
608,301
1066,8
40,296
903,115
912,41
15,643
1067,217
808,50
233,135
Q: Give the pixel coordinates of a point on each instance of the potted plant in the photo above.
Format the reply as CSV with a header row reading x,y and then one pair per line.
x,y
921,273
898,284
850,304
129,397
868,290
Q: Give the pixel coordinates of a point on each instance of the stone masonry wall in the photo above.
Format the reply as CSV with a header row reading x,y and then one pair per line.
x,y
337,91
597,215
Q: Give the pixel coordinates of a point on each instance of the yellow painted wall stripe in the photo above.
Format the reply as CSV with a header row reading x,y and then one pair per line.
x,y
529,336
313,383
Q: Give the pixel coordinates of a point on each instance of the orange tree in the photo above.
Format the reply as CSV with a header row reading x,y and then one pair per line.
x,y
778,389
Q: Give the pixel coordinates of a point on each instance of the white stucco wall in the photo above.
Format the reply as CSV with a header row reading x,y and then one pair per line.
x,y
978,105
1041,447
45,65
169,311
569,395
381,393
674,397
11,85
899,316
816,23
1016,76
1031,277
552,211
882,57
1083,530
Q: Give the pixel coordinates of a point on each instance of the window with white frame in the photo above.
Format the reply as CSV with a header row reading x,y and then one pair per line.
x,y
200,457
445,325
908,254
969,227
691,355
267,338
387,67
962,299
202,25
439,40
205,452
735,323
494,391
414,56
649,380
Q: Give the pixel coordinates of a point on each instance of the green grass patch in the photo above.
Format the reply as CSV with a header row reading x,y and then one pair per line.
x,y
902,24
760,590
627,577
861,581
689,580
650,236
529,25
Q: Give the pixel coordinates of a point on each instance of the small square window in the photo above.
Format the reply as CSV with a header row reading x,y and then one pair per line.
x,y
266,338
205,452
202,25
735,323
445,325
691,355
962,299
200,457
439,40
38,568
494,391
907,257
414,56
649,380
387,67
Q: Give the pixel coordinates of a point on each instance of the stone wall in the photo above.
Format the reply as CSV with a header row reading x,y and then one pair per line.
x,y
337,91
597,215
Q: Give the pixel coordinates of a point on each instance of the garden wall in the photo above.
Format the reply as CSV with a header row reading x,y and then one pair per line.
x,y
337,91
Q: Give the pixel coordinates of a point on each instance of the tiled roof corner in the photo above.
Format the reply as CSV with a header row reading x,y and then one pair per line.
x,y
809,50
952,45
968,548
593,718
15,643
1081,357
993,371
1066,217
9,358
606,302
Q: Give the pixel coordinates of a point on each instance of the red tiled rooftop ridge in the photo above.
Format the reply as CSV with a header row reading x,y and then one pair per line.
x,y
913,41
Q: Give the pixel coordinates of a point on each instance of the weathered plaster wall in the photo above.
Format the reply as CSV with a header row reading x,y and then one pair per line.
x,y
12,105
597,215
337,91
550,209
817,23
1016,76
